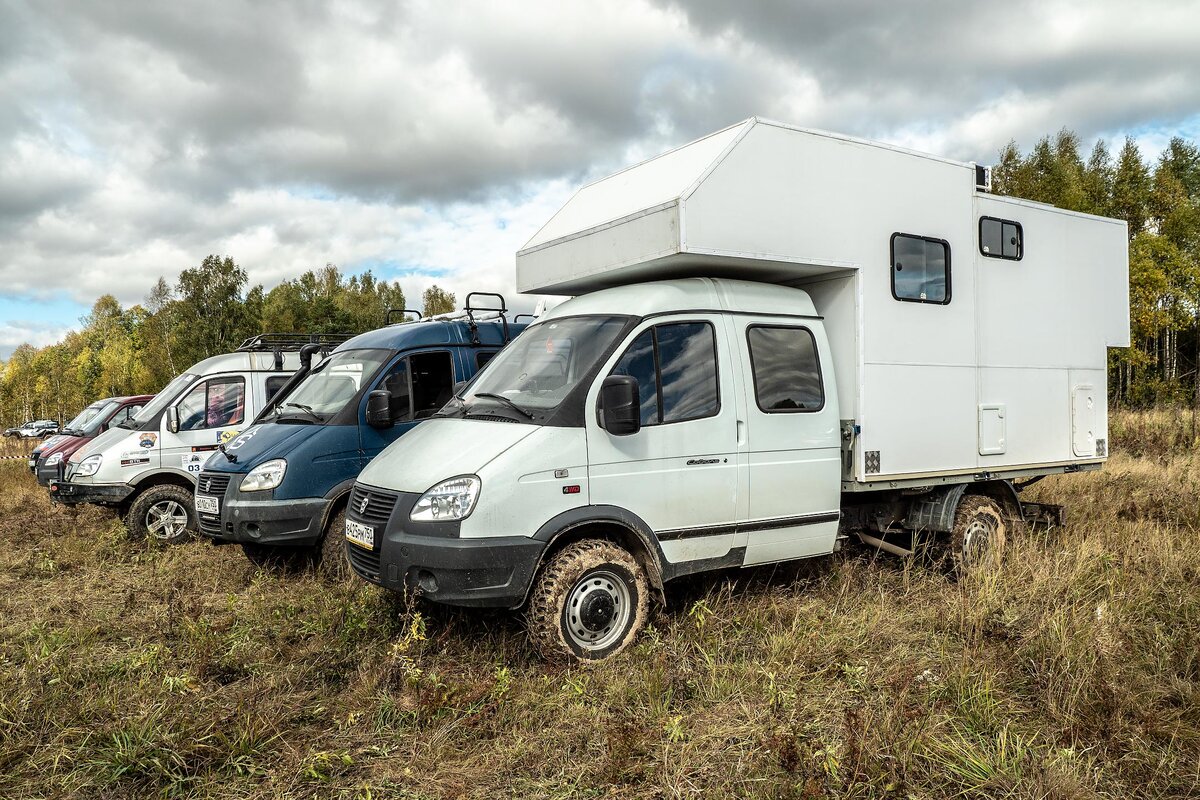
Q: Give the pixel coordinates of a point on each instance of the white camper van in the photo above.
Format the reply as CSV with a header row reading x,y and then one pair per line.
x,y
779,338
146,467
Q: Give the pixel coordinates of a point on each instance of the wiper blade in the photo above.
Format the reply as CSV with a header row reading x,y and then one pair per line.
x,y
506,402
307,410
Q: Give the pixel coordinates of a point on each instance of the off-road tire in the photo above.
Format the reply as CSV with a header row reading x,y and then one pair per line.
x,y
156,501
278,559
563,576
332,563
978,537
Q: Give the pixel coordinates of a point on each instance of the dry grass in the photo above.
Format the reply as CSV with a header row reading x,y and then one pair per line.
x,y
128,670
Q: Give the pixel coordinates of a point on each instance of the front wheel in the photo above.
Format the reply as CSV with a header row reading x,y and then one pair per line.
x,y
589,602
979,535
165,513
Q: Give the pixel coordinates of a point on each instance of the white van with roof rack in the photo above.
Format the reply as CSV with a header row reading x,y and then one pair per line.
x,y
146,467
780,338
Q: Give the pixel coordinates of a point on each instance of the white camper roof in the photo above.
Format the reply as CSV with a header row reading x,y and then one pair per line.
x,y
635,225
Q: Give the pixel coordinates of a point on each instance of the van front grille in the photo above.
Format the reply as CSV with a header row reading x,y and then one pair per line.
x,y
214,483
371,506
365,562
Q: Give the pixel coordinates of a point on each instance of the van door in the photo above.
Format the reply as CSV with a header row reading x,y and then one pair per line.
x,y
213,411
679,472
793,457
420,384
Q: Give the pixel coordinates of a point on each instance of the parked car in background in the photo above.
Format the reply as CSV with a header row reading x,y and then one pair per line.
x,y
38,429
46,459
146,467
15,430
281,487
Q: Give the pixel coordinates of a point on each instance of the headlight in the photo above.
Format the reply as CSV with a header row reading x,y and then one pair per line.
x,y
266,475
55,459
89,466
452,499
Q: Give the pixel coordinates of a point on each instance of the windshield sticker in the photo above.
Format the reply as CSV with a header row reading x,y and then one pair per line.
x,y
192,463
135,458
147,440
241,440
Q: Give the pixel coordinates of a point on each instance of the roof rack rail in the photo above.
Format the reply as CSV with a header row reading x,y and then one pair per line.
x,y
501,310
280,343
401,311
518,317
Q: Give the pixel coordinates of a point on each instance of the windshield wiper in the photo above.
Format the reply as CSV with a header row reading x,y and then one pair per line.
x,y
306,409
506,402
72,432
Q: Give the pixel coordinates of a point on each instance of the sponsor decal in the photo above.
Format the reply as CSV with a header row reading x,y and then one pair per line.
x,y
223,437
135,458
192,463
240,440
147,440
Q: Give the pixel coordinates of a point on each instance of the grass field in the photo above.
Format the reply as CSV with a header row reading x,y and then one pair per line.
x,y
131,670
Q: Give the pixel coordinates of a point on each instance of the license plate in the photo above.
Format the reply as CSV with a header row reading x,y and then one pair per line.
x,y
207,505
32,463
361,535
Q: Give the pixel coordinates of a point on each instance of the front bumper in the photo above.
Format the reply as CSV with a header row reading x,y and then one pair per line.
x,y
103,494
242,520
46,474
430,559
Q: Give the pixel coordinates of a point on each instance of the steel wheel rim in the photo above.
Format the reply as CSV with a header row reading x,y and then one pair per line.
x,y
977,542
166,519
584,618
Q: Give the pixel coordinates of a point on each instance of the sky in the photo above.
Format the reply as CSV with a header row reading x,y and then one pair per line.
x,y
428,141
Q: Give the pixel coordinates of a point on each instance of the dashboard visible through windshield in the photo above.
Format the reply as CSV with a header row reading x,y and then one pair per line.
x,y
330,386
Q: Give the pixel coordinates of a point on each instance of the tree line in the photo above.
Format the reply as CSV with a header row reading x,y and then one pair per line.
x,y
210,310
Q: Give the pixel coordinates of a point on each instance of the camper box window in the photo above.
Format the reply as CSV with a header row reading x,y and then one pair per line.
x,y
1001,238
920,269
787,376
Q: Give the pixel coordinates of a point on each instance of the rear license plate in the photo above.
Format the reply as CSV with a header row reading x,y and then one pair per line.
x,y
208,505
361,535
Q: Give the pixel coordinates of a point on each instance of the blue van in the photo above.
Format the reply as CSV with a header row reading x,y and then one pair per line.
x,y
280,487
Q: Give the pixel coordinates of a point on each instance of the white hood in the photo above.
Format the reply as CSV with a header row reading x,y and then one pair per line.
x,y
101,443
441,448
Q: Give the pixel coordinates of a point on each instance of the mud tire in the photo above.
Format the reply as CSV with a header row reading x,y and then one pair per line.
x,y
146,516
978,538
606,579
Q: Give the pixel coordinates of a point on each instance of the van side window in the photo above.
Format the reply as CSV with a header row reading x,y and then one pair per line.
x,y
274,384
420,385
787,375
675,365
920,269
213,403
1001,238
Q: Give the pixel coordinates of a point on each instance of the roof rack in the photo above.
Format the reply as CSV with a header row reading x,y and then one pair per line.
x,y
500,310
401,311
280,343
518,317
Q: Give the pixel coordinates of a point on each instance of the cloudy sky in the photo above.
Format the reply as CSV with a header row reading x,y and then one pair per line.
x,y
427,141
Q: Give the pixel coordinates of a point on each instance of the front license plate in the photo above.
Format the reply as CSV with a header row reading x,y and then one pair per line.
x,y
32,463
361,535
208,505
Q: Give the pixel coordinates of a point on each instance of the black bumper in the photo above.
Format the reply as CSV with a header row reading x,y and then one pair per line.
x,y
46,474
430,559
254,518
103,494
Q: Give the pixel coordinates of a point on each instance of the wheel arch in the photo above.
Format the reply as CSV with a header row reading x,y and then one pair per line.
x,y
610,523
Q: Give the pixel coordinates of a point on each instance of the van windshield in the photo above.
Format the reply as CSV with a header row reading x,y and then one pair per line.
x,y
330,386
535,373
79,426
160,401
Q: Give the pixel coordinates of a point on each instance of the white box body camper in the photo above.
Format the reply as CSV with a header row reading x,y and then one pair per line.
x,y
778,338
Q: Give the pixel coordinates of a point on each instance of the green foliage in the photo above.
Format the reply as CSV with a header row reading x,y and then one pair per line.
x,y
138,350
437,301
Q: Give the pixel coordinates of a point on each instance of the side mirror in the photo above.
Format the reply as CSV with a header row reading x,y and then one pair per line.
x,y
173,419
620,405
379,409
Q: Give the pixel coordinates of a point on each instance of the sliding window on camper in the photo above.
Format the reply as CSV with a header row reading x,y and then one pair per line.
x,y
920,269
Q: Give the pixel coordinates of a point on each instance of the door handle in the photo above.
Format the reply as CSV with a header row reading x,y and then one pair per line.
x,y
741,432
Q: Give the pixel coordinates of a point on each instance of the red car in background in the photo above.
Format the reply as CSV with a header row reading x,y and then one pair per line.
x,y
91,422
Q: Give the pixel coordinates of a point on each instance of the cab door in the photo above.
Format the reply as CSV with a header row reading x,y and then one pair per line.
x,y
793,448
420,384
679,472
213,411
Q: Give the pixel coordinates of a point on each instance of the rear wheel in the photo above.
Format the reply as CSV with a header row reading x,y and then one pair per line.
x,y
164,513
979,534
334,565
589,602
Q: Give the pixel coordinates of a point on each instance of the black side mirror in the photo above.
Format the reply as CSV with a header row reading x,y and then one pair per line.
x,y
621,405
379,409
173,419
